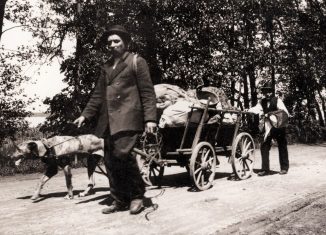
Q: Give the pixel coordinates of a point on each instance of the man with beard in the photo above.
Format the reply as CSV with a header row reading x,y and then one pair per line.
x,y
273,115
125,99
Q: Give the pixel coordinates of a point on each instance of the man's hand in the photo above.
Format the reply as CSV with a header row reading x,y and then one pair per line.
x,y
79,121
150,127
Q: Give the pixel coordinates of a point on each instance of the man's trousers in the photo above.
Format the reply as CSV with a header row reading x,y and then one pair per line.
x,y
125,180
280,136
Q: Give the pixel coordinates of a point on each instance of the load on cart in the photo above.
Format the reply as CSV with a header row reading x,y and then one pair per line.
x,y
195,127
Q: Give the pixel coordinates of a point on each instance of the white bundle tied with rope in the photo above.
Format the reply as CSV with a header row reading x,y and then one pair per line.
x,y
175,103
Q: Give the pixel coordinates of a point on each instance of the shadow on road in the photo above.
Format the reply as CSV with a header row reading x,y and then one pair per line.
x,y
270,172
183,179
175,180
104,199
62,194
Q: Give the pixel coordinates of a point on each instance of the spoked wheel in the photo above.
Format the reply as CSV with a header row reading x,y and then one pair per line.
x,y
152,168
243,155
203,165
150,171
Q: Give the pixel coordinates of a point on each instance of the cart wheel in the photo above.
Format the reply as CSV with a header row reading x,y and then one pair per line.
x,y
151,172
243,155
155,173
203,165
152,167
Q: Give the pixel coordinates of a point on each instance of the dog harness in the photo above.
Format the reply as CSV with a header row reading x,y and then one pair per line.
x,y
50,151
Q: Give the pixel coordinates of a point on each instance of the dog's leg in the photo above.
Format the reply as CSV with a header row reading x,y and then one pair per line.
x,y
40,185
92,162
91,165
68,176
51,170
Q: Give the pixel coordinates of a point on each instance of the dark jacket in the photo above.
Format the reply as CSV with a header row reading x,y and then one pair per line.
x,y
124,97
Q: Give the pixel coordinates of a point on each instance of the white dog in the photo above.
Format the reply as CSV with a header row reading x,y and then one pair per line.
x,y
54,151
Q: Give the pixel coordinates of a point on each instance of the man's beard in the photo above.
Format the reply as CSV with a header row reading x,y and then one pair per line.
x,y
117,52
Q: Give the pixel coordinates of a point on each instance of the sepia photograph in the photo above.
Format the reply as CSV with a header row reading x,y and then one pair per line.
x,y
163,117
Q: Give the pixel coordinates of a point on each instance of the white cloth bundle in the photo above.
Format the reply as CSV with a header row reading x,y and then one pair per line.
x,y
175,115
167,95
176,104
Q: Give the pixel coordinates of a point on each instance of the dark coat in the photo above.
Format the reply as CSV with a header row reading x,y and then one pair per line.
x,y
124,97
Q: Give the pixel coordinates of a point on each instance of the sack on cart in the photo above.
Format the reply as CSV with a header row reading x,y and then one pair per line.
x,y
176,115
167,95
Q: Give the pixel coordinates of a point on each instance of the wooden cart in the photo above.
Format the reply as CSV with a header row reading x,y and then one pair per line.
x,y
197,145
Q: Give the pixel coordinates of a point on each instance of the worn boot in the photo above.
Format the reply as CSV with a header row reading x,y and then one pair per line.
x,y
136,206
115,207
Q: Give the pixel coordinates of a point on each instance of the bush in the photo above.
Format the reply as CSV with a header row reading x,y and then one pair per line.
x,y
308,133
7,165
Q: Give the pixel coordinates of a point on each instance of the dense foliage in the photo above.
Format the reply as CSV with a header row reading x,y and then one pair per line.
x,y
228,43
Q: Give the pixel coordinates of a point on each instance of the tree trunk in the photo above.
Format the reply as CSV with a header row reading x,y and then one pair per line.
x,y
252,84
2,13
250,68
245,91
233,92
78,54
323,105
320,116
271,34
249,42
150,33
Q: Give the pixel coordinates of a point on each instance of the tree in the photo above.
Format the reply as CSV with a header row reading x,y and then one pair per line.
x,y
12,105
229,44
2,14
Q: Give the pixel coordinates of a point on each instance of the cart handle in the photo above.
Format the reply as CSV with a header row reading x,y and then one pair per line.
x,y
138,151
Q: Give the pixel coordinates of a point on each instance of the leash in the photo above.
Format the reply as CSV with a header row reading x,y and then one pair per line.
x,y
154,206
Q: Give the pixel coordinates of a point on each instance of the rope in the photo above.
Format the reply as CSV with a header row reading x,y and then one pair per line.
x,y
154,206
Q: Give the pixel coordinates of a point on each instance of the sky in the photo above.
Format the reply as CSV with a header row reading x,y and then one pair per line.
x,y
46,80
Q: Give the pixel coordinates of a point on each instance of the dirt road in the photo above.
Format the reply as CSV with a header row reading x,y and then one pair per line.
x,y
285,204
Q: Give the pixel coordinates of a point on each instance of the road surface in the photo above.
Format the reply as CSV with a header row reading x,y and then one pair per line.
x,y
285,204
